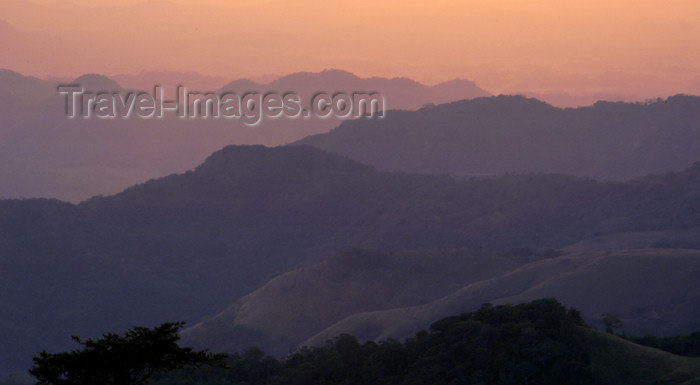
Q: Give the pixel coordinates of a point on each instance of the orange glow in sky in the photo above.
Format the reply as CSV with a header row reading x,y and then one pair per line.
x,y
645,47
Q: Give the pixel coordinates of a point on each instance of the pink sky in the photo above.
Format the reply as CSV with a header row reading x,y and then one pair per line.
x,y
642,47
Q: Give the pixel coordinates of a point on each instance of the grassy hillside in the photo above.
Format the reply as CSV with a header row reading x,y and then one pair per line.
x,y
618,361
296,305
653,291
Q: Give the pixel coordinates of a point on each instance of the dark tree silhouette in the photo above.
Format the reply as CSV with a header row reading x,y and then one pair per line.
x,y
612,322
116,360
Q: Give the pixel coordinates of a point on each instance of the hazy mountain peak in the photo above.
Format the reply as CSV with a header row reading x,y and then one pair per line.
x,y
498,105
329,76
520,99
397,81
338,74
456,83
241,85
97,82
12,77
337,71
24,87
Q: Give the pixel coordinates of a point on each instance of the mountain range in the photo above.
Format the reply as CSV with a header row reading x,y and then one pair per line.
x,y
43,153
495,135
191,245
375,228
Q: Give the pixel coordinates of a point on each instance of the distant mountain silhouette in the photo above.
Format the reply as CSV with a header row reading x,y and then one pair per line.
x,y
97,83
400,93
189,245
241,85
49,155
456,89
19,97
490,136
169,80
564,100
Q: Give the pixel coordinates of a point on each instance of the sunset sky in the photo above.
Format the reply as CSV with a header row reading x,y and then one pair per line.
x,y
643,47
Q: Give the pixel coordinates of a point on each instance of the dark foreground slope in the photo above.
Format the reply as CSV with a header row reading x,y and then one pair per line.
x,y
490,136
189,245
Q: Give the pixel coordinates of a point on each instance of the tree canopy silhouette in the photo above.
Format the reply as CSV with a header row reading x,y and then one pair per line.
x,y
120,360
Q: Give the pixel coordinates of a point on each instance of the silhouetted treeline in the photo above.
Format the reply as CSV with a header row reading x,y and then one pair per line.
x,y
534,343
686,345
